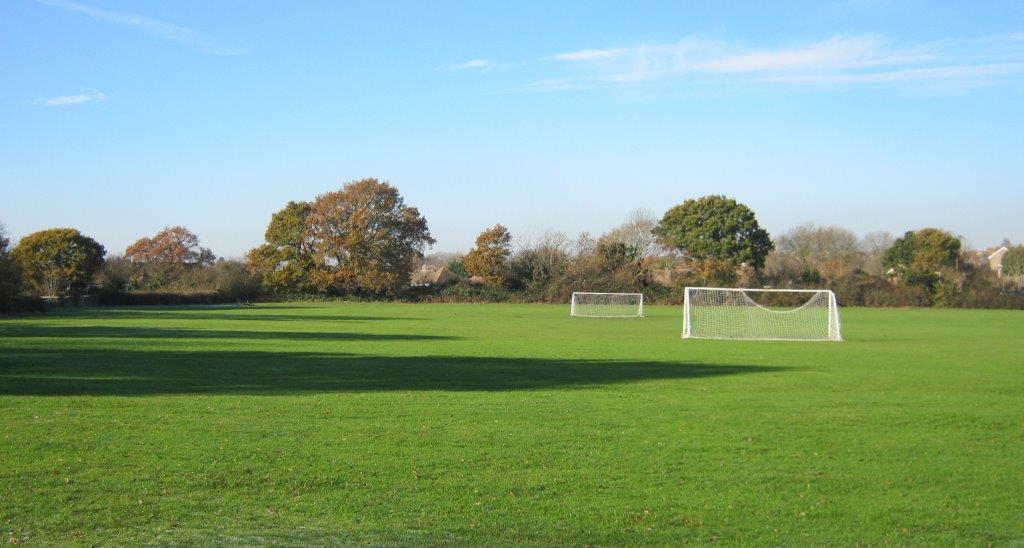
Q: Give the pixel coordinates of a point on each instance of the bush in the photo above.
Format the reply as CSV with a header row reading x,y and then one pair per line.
x,y
121,282
458,267
10,278
10,283
22,303
897,296
862,289
981,288
535,272
853,289
990,297
151,298
464,292
234,282
116,275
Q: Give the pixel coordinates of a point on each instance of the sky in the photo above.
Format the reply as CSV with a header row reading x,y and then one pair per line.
x,y
122,117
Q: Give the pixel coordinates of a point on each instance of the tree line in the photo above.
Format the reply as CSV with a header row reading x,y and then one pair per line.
x,y
364,241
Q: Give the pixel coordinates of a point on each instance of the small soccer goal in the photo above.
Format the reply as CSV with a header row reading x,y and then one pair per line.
x,y
761,314
607,305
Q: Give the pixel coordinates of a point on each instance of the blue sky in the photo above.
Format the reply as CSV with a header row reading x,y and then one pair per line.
x,y
122,117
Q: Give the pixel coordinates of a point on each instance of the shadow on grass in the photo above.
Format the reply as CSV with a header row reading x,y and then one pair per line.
x,y
112,332
221,312
49,372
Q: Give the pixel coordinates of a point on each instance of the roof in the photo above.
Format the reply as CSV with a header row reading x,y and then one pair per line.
x,y
999,251
431,275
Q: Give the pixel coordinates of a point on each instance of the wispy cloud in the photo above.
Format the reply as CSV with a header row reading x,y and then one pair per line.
x,y
65,100
556,84
840,52
590,55
839,60
472,64
936,73
161,29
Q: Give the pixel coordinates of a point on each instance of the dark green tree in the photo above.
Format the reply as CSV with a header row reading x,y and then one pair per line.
x,y
920,256
715,228
10,274
458,267
1013,262
285,261
58,261
927,259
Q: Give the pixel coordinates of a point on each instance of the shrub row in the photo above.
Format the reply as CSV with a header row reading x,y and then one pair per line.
x,y
147,298
21,303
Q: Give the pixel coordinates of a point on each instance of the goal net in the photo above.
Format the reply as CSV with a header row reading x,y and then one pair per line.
x,y
607,305
761,314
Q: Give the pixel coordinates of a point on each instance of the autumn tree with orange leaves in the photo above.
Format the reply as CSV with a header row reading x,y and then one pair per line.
x,y
490,258
175,245
365,239
164,260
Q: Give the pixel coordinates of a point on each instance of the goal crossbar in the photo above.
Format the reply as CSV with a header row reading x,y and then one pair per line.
x,y
764,290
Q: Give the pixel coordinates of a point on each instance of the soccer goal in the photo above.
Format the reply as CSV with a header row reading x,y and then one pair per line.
x,y
607,305
761,314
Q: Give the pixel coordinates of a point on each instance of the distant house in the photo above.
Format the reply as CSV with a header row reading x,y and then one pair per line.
x,y
428,276
991,257
995,260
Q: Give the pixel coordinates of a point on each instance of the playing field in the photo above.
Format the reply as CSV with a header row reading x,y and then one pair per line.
x,y
410,423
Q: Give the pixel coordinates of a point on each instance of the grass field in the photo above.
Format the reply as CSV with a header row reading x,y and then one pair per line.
x,y
409,423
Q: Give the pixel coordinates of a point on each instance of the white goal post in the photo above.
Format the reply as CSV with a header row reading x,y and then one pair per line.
x,y
607,305
761,314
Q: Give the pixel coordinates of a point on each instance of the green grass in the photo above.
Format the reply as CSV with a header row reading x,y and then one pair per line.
x,y
410,423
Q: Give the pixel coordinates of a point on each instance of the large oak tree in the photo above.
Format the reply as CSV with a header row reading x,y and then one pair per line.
x,y
365,239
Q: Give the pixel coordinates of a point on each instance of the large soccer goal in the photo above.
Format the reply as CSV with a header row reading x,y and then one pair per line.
x,y
761,314
607,305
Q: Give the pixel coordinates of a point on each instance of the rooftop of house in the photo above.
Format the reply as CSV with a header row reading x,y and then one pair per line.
x,y
998,252
429,275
